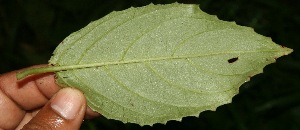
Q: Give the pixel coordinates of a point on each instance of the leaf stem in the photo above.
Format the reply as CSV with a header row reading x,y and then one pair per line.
x,y
23,74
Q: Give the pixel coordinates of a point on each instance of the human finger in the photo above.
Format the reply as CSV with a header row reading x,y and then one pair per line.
x,y
32,92
18,96
65,111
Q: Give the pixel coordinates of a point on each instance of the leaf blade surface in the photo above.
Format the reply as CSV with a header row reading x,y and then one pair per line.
x,y
161,62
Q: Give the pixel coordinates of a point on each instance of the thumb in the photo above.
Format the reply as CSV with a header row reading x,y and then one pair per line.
x,y
65,111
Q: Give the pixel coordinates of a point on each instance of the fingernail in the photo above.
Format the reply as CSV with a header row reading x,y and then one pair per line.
x,y
67,103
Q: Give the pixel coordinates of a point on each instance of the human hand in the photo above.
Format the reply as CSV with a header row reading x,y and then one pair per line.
x,y
36,102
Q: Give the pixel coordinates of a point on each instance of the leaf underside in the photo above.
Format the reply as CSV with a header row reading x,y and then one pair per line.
x,y
160,62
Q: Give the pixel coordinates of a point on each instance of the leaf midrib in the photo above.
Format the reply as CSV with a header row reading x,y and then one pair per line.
x,y
57,68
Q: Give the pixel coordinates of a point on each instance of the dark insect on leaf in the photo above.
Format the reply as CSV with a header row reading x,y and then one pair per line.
x,y
233,59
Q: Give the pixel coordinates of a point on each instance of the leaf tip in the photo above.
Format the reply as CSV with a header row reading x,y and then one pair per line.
x,y
286,50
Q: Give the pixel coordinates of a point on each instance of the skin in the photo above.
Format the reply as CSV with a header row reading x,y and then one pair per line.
x,y
29,103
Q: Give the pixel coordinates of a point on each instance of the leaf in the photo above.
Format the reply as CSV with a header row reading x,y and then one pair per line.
x,y
159,62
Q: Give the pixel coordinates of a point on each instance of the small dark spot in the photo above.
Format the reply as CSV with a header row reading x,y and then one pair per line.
x,y
234,59
267,59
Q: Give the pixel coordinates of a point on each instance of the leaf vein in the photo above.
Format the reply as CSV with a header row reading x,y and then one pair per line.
x,y
115,27
207,71
86,86
178,46
168,81
73,43
127,88
145,34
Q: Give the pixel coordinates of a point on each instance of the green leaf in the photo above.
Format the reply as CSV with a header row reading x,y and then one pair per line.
x,y
159,62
